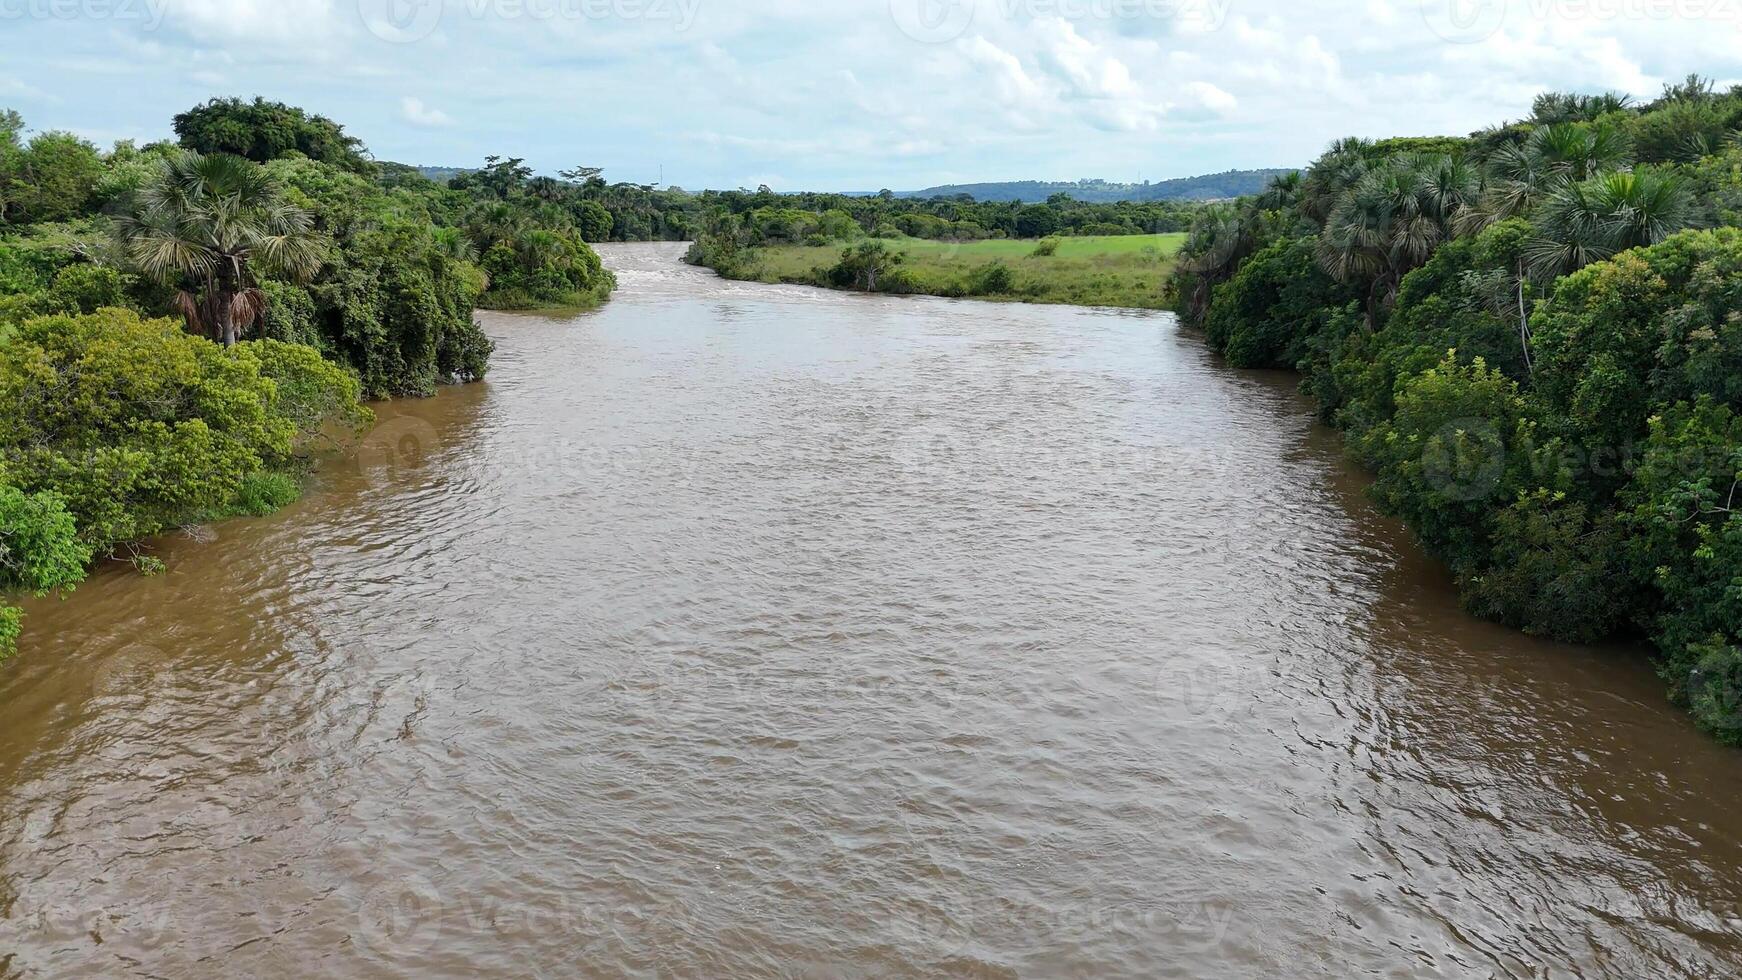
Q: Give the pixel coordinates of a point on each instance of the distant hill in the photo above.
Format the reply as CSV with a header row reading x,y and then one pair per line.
x,y
442,175
1232,183
1209,187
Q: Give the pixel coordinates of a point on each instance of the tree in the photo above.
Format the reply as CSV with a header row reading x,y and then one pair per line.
x,y
1651,327
205,226
591,179
1264,315
139,426
500,177
1392,219
1037,221
1685,515
263,131
52,178
866,266
1221,237
11,159
1580,223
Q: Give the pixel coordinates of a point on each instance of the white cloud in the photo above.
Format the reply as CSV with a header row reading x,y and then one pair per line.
x,y
280,21
837,96
418,114
1210,97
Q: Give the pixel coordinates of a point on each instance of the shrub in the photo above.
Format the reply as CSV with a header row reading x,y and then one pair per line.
x,y
1459,445
1685,519
1652,327
263,493
39,546
1264,316
1045,248
871,266
139,426
40,551
991,279
544,268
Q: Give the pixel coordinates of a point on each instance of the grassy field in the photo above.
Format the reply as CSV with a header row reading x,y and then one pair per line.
x,y
1111,270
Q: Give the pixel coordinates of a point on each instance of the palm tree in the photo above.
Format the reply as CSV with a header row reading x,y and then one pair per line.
x,y
205,225
1221,237
453,243
1589,221
1283,192
1332,174
1392,220
1522,176
496,221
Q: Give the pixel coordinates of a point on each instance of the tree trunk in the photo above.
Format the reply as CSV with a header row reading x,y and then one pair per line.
x,y
224,324
1524,323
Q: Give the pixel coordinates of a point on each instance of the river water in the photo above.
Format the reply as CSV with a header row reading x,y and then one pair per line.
x,y
740,630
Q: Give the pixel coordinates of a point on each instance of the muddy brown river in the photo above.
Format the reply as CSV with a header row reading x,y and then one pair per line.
x,y
737,630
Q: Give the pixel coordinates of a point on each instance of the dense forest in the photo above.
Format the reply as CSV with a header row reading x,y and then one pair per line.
x,y
1533,337
180,322
763,217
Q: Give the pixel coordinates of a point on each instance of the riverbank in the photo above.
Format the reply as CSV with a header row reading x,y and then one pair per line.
x,y
1091,270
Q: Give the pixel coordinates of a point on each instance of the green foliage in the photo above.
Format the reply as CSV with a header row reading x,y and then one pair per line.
x,y
1544,367
1684,130
206,226
1046,248
871,266
71,289
290,315
139,426
1462,298
1460,440
1562,107
52,178
1037,221
991,279
1580,223
394,299
11,628
1390,220
307,389
263,131
40,550
1268,312
593,222
400,312
1652,327
263,493
539,268
1686,521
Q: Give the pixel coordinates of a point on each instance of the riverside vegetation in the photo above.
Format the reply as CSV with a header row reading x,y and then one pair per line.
x,y
1062,251
1533,338
1094,270
181,322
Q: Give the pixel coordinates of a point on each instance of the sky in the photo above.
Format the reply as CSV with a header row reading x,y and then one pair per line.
x,y
851,94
